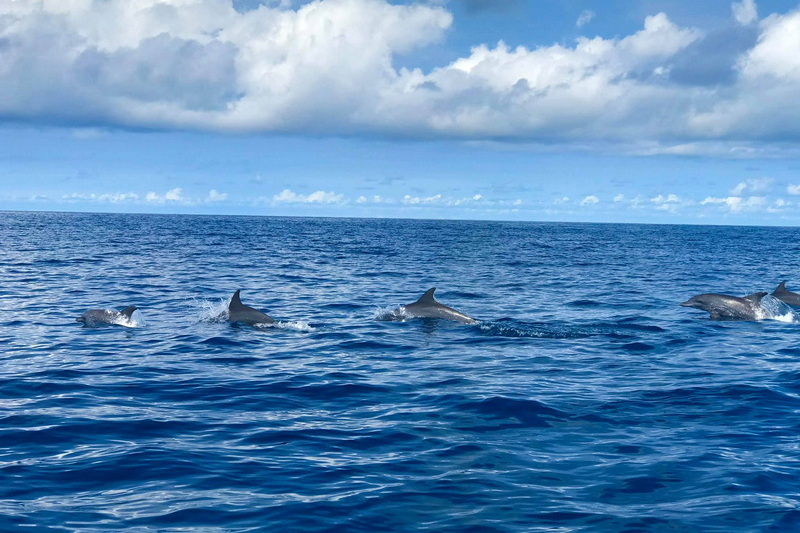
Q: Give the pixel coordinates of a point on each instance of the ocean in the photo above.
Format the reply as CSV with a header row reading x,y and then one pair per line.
x,y
585,399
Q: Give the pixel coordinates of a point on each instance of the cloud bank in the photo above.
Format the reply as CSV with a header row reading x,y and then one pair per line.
x,y
328,68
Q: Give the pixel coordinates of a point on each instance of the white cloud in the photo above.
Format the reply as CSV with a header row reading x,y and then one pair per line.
x,y
753,186
375,199
793,189
416,200
585,18
215,196
669,203
762,102
287,196
173,195
590,200
669,199
114,198
562,200
737,204
476,200
779,206
201,64
619,198
745,12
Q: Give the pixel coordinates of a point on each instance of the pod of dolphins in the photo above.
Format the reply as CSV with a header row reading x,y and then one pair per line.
x,y
426,307
719,307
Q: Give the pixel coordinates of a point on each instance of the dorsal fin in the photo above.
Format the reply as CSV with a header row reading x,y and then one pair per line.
x,y
755,297
128,311
781,287
236,301
427,298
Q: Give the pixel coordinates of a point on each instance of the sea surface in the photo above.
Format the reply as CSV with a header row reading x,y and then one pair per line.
x,y
585,399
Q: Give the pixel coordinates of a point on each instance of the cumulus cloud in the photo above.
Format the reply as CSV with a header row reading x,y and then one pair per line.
x,y
205,65
474,201
172,195
216,196
114,198
737,204
669,202
590,200
416,200
288,196
375,199
793,189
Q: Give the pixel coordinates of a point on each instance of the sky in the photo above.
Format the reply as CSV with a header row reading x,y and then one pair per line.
x,y
644,111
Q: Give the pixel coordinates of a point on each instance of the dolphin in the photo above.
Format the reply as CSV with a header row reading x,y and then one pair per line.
x,y
238,312
95,317
428,307
726,307
786,296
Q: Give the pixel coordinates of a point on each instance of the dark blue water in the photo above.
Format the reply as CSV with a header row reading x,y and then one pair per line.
x,y
586,400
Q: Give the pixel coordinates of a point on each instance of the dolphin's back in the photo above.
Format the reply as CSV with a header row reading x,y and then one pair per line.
x,y
785,295
428,307
238,312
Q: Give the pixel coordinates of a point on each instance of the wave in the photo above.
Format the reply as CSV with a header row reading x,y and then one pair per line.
x,y
508,327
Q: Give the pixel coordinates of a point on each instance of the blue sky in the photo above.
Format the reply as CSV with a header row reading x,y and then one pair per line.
x,y
664,111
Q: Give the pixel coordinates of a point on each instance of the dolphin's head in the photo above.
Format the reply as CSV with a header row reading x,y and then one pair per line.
x,y
701,301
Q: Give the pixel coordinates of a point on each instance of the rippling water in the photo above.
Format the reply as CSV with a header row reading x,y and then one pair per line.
x,y
585,400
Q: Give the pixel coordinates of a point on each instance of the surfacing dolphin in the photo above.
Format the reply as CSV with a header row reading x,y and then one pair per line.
x,y
97,317
726,307
786,296
428,307
238,312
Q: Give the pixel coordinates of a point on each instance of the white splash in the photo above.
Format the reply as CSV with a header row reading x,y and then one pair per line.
x,y
774,309
136,320
292,325
391,314
212,310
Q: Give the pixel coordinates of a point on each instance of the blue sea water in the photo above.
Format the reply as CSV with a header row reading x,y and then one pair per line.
x,y
585,399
